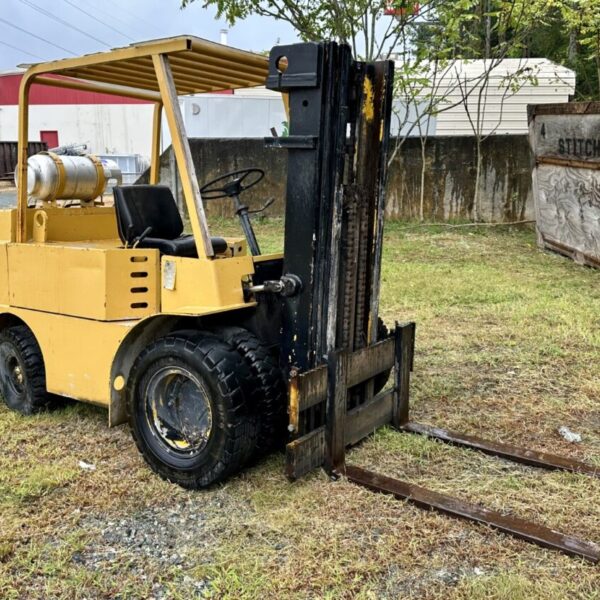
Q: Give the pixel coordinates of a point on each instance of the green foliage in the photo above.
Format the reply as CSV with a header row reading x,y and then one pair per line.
x,y
565,31
365,24
581,27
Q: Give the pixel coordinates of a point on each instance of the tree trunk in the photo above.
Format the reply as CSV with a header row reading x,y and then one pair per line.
x,y
488,30
598,61
572,48
422,189
476,196
598,73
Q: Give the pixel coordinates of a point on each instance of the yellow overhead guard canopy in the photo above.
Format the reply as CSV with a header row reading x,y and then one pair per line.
x,y
197,65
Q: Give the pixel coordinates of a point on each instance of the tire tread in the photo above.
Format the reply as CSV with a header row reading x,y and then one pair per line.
x,y
223,365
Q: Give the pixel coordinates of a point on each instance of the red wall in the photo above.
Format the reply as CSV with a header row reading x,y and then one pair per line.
x,y
45,94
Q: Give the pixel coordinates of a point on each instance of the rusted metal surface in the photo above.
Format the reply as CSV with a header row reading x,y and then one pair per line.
x,y
561,108
424,498
347,426
310,388
373,359
366,418
9,156
404,356
566,136
566,162
533,458
576,255
305,454
308,452
387,97
337,402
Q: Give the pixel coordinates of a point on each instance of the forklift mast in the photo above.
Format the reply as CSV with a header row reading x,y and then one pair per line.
x,y
333,352
337,154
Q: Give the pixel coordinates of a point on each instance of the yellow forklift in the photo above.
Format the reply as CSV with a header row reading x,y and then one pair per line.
x,y
213,352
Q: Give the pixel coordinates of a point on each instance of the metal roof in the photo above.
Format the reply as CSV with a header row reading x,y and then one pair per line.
x,y
197,65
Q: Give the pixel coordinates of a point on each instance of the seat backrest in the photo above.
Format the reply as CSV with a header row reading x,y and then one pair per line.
x,y
141,206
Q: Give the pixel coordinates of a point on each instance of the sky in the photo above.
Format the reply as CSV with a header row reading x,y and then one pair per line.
x,y
39,30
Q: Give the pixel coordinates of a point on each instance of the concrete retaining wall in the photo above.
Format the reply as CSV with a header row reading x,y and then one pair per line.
x,y
504,187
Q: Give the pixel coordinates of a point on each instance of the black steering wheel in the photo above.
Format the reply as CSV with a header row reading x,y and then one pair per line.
x,y
231,184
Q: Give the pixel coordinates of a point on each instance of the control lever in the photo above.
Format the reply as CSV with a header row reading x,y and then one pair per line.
x,y
259,210
142,236
243,213
288,285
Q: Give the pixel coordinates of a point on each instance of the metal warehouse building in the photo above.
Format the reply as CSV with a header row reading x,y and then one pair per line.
x,y
492,106
113,125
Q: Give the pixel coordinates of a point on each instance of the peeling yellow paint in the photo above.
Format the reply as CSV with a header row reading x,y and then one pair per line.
x,y
368,107
294,404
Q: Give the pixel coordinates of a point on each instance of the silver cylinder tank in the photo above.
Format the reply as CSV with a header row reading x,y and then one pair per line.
x,y
53,177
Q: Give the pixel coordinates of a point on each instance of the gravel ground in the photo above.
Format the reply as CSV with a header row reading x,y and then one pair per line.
x,y
163,534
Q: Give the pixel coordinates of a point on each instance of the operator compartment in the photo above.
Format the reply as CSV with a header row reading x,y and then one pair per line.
x,y
104,262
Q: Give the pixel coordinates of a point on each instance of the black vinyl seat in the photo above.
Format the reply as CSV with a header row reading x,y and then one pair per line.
x,y
139,207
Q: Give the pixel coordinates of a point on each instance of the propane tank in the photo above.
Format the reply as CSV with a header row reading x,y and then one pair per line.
x,y
53,177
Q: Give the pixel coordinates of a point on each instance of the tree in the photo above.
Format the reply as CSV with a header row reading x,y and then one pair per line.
x,y
496,30
583,21
374,29
427,44
568,34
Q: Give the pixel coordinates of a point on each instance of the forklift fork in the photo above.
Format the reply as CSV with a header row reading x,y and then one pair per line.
x,y
327,446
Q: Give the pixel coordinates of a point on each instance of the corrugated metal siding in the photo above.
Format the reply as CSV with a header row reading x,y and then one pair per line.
x,y
502,111
45,95
257,92
9,154
234,116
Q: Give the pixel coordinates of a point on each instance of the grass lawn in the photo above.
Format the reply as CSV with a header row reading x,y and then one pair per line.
x,y
508,347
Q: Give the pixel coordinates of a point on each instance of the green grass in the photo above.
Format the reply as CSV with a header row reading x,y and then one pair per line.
x,y
508,346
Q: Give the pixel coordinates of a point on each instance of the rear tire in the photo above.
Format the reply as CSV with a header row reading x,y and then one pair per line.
x,y
269,396
189,409
22,372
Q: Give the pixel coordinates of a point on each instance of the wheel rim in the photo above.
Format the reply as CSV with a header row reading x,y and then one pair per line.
x,y
12,369
178,410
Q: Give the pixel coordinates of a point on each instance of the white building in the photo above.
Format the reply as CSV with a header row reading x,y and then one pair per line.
x,y
107,124
499,99
248,112
110,125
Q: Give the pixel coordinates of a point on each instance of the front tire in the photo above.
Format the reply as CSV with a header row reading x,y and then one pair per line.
x,y
189,409
22,372
269,396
